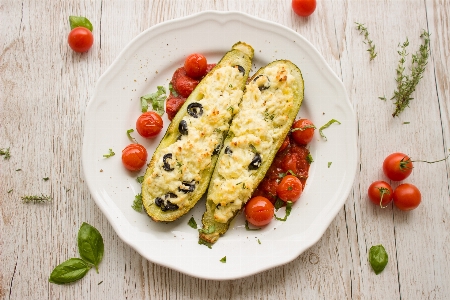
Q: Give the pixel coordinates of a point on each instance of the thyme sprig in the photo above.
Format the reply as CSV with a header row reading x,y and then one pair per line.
x,y
406,84
363,30
36,198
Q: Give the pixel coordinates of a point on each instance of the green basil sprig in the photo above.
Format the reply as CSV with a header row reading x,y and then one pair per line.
x,y
90,247
80,22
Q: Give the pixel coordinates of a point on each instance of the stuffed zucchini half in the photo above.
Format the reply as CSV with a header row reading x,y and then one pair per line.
x,y
181,167
269,106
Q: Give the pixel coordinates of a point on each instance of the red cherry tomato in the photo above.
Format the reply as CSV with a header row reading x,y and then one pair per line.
x,y
268,189
80,39
183,84
284,145
290,188
149,124
289,163
195,65
397,166
303,8
209,67
134,157
303,131
173,105
259,211
380,193
407,196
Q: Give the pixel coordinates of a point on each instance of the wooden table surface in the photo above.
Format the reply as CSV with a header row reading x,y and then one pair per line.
x,y
44,90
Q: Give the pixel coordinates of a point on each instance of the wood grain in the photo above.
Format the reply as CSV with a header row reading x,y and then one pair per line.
x,y
44,90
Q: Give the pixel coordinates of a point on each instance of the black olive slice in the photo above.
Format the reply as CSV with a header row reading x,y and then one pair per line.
x,y
166,165
241,69
228,150
264,86
183,127
187,186
164,202
217,149
195,109
256,162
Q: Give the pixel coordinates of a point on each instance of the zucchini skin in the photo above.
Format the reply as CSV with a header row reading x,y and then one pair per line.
x,y
212,228
241,54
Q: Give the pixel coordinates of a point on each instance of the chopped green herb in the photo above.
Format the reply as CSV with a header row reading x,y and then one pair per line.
x,y
192,223
288,211
111,153
100,282
207,244
156,99
253,148
224,259
46,178
278,203
329,164
326,126
248,228
363,30
140,179
406,122
259,242
10,191
217,130
36,199
137,203
231,109
309,158
129,131
5,152
172,90
382,98
18,170
303,128
208,230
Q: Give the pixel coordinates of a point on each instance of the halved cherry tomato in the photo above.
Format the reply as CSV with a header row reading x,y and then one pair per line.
x,y
303,131
259,211
407,196
195,65
397,166
290,188
182,83
134,157
149,124
380,193
80,39
173,105
284,145
303,8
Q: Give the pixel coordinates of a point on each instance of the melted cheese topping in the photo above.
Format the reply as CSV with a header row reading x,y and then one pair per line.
x,y
262,115
191,153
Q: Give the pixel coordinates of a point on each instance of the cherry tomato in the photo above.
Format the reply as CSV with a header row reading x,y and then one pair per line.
x,y
407,196
149,124
268,189
195,65
259,211
289,163
303,8
290,188
209,67
397,166
80,39
134,157
284,145
303,131
183,84
380,193
173,105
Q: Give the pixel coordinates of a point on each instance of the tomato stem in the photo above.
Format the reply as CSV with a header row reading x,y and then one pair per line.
x,y
428,162
383,191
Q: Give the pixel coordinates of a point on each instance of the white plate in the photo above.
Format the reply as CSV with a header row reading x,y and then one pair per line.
x,y
150,60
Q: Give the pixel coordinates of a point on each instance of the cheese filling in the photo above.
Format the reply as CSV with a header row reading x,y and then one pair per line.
x,y
262,116
180,165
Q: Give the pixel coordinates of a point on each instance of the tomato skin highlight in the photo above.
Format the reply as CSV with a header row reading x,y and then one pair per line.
x,y
134,157
407,197
304,8
397,166
149,124
80,39
290,188
375,190
195,65
304,136
259,211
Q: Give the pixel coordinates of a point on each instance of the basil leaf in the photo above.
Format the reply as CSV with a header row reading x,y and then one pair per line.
x,y
137,203
223,259
157,99
288,211
192,223
278,203
378,258
80,22
69,271
326,126
90,244
248,228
